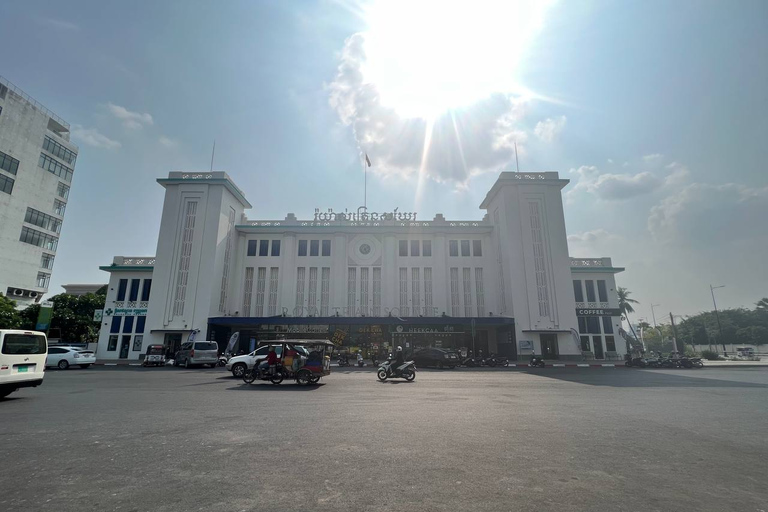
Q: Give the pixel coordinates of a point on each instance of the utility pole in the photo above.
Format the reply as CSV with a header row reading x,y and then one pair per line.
x,y
674,334
717,315
653,314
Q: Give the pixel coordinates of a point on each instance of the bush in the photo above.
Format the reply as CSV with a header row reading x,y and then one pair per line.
x,y
709,355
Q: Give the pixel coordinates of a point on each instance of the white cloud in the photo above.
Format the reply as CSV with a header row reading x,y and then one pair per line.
x,y
130,119
614,186
655,157
594,244
59,24
167,142
549,129
460,144
92,137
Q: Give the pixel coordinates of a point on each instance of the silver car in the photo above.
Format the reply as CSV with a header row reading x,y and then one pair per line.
x,y
197,352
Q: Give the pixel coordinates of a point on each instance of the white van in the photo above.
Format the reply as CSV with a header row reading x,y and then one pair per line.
x,y
22,360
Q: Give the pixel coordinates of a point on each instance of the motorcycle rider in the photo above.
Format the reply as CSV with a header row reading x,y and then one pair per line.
x,y
399,360
269,361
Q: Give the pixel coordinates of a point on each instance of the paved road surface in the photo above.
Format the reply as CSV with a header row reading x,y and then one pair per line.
x,y
556,439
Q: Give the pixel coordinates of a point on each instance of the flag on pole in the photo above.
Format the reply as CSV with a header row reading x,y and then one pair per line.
x,y
367,160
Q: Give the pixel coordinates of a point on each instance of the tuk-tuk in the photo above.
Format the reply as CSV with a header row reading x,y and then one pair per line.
x,y
305,361
155,356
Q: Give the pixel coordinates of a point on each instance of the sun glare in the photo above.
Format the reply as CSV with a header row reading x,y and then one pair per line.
x,y
426,57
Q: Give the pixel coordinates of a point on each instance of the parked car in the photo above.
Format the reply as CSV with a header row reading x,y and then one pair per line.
x,y
197,352
238,364
64,357
22,360
439,357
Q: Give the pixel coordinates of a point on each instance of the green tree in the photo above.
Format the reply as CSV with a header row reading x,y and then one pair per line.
x,y
625,306
10,318
73,316
762,304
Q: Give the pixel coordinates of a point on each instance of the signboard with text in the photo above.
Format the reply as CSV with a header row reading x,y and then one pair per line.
x,y
598,312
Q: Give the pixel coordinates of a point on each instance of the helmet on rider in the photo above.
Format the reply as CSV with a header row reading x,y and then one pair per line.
x,y
399,349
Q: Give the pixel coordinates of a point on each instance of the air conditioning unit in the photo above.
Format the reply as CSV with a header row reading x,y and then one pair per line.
x,y
33,295
18,292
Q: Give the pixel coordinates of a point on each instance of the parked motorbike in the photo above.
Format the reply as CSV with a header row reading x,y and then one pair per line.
x,y
471,362
536,362
222,360
637,362
374,361
274,374
360,361
343,360
496,360
407,371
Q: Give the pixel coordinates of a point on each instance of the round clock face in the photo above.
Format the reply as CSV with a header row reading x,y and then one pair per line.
x,y
365,249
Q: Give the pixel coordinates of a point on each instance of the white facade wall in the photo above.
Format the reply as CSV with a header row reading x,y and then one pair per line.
x,y
203,271
23,127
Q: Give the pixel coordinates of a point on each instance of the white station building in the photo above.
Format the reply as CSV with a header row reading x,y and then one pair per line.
x,y
366,280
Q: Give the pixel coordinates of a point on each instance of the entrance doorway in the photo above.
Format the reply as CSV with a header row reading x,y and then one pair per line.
x,y
597,343
172,343
548,346
125,345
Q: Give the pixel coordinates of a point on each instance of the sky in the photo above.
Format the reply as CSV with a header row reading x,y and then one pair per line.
x,y
657,113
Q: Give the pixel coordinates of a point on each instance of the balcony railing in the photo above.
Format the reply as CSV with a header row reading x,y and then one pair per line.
x,y
34,102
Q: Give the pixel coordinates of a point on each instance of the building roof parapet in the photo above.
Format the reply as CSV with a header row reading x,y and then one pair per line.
x,y
594,265
32,101
208,178
130,263
523,178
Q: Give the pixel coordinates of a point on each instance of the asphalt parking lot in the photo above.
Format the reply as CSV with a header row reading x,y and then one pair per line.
x,y
168,439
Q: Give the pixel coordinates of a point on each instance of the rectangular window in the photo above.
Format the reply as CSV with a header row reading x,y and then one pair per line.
x,y
185,258
252,246
593,325
248,291
351,290
301,273
404,291
38,238
145,289
416,290
273,275
58,150
55,167
43,279
128,325
59,207
376,291
314,247
141,322
115,326
585,343
6,184
578,294
602,293
326,247
134,293
261,284
467,274
582,324
325,290
415,245
428,291
590,290
453,247
364,272
454,291
263,247
607,325
42,220
302,247
479,291
426,248
46,261
112,345
465,247
224,291
137,342
312,292
122,287
8,163
610,344
275,248
62,191
403,247
477,247
539,259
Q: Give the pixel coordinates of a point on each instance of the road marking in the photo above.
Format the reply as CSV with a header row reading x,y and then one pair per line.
x,y
559,364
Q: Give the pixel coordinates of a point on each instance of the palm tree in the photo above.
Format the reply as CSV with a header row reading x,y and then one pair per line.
x,y
625,306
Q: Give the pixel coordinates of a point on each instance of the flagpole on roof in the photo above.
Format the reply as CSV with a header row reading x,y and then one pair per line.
x,y
366,164
517,164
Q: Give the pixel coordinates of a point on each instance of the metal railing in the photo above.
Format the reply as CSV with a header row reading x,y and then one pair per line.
x,y
33,101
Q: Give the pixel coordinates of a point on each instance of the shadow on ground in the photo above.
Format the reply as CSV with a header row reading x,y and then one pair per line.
x,y
639,378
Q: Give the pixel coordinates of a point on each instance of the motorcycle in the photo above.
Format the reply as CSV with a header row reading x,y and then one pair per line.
x,y
360,361
637,362
343,360
374,361
407,371
274,374
222,360
496,361
536,362
471,362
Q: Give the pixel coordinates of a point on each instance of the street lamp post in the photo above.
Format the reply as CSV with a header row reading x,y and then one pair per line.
x,y
717,315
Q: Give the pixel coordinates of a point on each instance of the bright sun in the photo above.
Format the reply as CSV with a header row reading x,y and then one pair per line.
x,y
428,56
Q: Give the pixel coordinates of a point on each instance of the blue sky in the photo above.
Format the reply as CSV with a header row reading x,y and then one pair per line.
x,y
656,111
